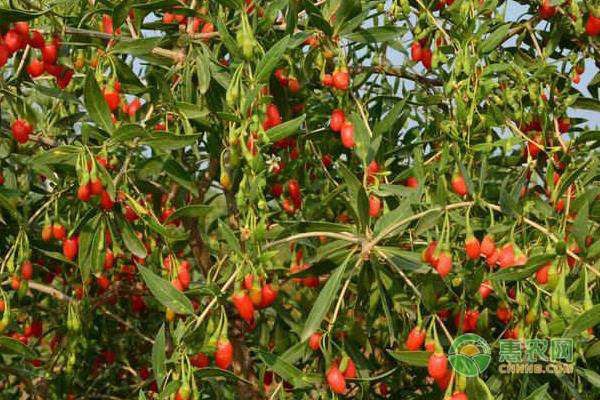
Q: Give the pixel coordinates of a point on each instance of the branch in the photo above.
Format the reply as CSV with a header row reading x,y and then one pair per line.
x,y
397,72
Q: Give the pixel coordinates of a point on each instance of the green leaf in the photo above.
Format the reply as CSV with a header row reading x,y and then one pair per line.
x,y
376,34
125,133
227,39
580,225
271,59
361,136
157,5
414,358
229,237
591,376
130,82
520,272
539,393
138,47
352,182
587,103
202,70
362,202
14,15
166,141
158,356
194,211
319,268
588,319
132,242
9,345
165,292
180,175
282,368
391,118
120,12
91,247
477,389
190,110
494,40
285,129
323,303
212,372
294,353
401,212
96,105
593,350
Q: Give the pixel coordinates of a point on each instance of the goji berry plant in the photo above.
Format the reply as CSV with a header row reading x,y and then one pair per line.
x,y
304,199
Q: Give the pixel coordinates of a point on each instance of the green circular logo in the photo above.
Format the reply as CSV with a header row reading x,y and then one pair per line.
x,y
469,355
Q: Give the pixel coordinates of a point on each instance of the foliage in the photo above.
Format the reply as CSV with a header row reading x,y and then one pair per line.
x,y
180,218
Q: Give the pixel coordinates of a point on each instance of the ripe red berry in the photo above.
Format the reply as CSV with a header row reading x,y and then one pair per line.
x,y
22,29
350,371
437,366
106,203
341,80
327,80
184,277
36,328
506,257
337,120
83,193
109,259
336,380
133,107
47,233
223,354
281,76
21,130
294,85
112,99
37,40
59,231
592,26
416,52
459,185
268,295
459,396
64,77
35,68
426,58
13,41
541,276
200,360
50,53
547,10
294,189
70,247
415,339
472,247
428,253
444,264
4,55
314,342
15,282
488,246
27,270
411,182
485,289
347,135
244,306
374,206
